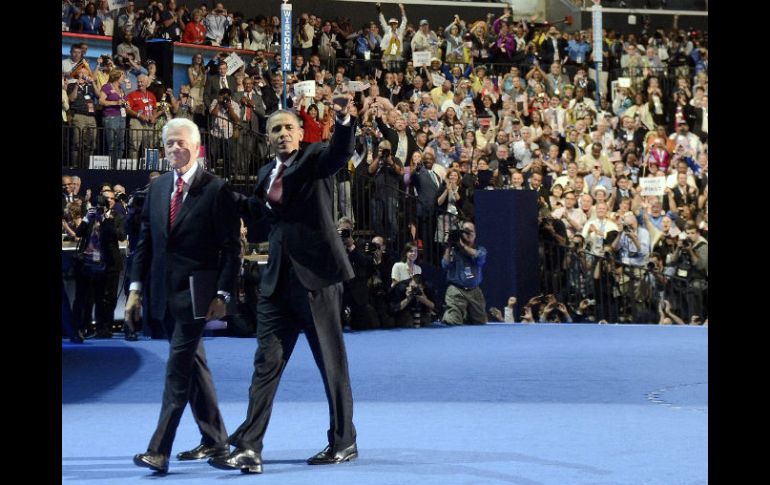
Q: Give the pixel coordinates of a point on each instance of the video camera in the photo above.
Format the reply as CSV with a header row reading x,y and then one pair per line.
x,y
344,233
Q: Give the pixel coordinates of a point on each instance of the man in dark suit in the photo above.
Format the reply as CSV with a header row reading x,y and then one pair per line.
x,y
252,123
189,223
552,49
215,83
272,94
301,287
426,182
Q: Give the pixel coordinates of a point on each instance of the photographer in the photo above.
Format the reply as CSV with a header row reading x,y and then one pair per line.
x,y
691,256
463,262
411,302
378,282
355,297
97,268
225,115
387,171
633,242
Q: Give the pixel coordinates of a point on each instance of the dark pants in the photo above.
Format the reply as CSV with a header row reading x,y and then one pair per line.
x,y
188,378
280,318
105,291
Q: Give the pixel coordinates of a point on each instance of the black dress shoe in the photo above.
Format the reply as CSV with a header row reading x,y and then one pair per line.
x,y
154,461
247,461
328,457
204,451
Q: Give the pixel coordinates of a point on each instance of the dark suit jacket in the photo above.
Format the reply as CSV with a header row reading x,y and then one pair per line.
x,y
111,233
697,122
205,236
427,192
270,97
303,229
211,90
546,50
391,135
257,113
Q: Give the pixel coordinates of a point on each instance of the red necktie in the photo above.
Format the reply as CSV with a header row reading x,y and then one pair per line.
x,y
247,116
276,190
176,202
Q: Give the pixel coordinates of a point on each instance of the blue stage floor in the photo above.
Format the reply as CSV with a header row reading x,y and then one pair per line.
x,y
495,404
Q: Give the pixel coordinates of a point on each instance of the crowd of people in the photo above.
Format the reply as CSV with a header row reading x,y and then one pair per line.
x,y
500,104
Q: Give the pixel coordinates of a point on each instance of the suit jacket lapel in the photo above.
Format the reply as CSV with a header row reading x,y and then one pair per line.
x,y
165,201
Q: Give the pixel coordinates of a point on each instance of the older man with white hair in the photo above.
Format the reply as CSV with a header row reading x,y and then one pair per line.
x,y
142,110
189,232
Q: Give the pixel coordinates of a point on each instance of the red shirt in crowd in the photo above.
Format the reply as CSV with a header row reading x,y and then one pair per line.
x,y
313,129
194,33
138,101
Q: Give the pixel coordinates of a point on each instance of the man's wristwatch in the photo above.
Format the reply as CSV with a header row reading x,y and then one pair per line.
x,y
222,297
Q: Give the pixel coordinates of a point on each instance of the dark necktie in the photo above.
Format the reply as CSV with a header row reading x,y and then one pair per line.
x,y
176,202
276,190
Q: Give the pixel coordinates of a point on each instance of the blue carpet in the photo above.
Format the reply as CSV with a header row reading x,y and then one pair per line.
x,y
507,404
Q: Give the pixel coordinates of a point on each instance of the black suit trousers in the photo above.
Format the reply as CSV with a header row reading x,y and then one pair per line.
x,y
280,318
188,378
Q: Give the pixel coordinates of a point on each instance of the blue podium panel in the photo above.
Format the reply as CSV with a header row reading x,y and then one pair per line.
x,y
506,225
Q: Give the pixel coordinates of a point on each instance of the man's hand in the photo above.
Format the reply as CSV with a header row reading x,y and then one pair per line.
x,y
133,307
216,310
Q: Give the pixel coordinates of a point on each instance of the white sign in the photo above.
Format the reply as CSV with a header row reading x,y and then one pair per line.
x,y
358,86
234,62
305,88
624,82
652,185
596,25
421,58
437,79
127,163
99,162
116,4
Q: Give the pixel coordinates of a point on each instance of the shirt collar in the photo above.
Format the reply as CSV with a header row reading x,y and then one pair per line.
x,y
188,176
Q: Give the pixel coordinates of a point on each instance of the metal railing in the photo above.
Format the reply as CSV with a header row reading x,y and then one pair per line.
x,y
236,158
619,292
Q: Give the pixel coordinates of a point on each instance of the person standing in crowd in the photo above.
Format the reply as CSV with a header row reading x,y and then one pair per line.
x,y
301,288
463,262
189,223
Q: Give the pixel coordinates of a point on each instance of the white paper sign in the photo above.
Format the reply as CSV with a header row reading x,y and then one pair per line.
x,y
358,86
304,88
421,58
437,79
99,162
652,185
116,4
624,82
127,163
234,62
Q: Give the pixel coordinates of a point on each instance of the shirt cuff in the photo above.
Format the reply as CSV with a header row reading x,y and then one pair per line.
x,y
135,286
226,294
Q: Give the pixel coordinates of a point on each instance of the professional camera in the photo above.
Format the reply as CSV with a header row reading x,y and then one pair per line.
x,y
385,154
102,202
417,291
344,233
121,197
370,247
651,266
626,227
454,236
